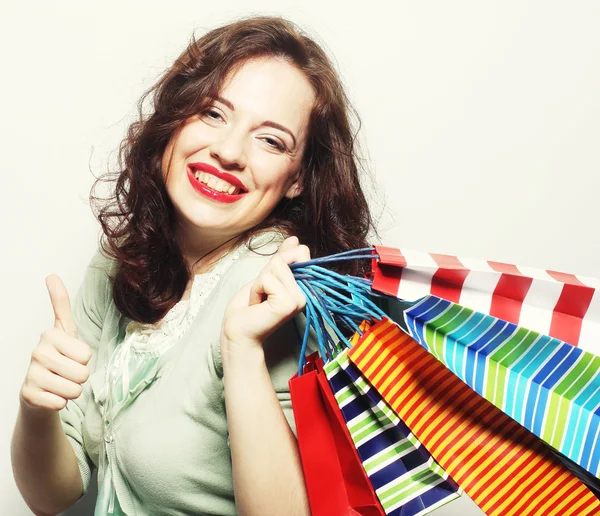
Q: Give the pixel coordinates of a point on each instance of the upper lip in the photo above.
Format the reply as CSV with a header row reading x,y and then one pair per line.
x,y
231,179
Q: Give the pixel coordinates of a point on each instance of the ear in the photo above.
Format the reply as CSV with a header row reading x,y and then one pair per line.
x,y
294,190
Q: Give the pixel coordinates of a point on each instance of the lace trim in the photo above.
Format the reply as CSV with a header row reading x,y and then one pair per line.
x,y
155,339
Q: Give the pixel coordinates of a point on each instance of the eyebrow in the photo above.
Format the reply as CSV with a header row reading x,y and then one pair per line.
x,y
268,123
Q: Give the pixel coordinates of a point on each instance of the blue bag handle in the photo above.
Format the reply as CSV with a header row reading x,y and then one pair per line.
x,y
335,300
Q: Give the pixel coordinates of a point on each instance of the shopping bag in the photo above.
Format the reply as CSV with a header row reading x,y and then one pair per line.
x,y
406,479
504,468
546,385
335,480
561,305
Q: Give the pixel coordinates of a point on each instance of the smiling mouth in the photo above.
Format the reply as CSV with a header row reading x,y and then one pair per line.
x,y
216,184
214,188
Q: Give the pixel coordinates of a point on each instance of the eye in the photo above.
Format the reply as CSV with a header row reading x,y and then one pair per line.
x,y
212,114
276,144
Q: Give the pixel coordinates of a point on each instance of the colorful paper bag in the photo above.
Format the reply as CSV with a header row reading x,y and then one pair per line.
x,y
564,306
406,479
546,385
335,480
504,468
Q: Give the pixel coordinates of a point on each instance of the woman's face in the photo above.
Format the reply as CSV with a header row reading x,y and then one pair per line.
x,y
230,165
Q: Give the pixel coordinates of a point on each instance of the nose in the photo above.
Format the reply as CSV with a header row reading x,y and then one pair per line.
x,y
230,149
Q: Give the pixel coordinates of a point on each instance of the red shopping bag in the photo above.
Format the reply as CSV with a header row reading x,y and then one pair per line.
x,y
335,479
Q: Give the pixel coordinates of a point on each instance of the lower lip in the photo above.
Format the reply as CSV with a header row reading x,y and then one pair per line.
x,y
212,194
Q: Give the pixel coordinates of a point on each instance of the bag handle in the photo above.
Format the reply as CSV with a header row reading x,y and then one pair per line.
x,y
334,300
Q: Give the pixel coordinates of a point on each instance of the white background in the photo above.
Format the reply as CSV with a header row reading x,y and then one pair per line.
x,y
481,120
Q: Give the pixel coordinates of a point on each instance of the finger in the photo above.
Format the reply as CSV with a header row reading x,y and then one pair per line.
x,y
284,274
288,243
257,292
74,349
300,253
52,401
278,300
265,285
51,359
42,399
55,384
59,297
290,251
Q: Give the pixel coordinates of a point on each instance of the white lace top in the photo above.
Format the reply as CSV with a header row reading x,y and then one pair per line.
x,y
157,338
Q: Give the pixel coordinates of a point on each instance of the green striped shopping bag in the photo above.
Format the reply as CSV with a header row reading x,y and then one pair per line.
x,y
405,477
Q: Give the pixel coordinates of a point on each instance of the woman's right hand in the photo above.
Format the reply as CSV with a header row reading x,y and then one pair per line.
x,y
58,366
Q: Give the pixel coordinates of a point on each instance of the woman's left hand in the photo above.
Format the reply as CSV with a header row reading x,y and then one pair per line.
x,y
266,303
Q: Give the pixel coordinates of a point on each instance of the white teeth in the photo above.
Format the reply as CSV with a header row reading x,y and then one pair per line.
x,y
215,183
221,186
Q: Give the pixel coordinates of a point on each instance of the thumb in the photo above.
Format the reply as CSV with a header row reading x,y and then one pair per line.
x,y
59,297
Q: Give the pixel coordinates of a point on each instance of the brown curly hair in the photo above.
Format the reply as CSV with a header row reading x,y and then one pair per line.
x,y
137,220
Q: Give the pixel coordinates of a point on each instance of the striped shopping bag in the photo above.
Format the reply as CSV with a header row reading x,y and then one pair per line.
x,y
336,482
407,481
546,385
564,306
503,467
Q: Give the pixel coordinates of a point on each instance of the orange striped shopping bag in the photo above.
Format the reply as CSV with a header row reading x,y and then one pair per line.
x,y
503,467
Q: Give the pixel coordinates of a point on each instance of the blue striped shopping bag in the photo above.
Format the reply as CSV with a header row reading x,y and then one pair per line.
x,y
406,479
543,383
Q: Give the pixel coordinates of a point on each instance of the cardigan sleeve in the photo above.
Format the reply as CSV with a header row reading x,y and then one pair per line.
x,y
89,310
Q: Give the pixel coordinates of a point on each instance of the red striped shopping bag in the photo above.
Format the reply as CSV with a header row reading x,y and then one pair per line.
x,y
561,305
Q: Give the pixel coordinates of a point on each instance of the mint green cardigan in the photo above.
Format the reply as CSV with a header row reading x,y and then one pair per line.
x,y
168,448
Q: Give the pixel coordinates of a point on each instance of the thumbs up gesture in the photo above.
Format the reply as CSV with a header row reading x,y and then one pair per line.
x,y
58,366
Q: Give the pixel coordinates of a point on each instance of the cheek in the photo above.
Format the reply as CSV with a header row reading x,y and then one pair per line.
x,y
274,173
197,134
192,138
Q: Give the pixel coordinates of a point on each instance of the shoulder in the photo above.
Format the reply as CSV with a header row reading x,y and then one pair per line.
x,y
255,254
99,273
246,262
102,266
95,292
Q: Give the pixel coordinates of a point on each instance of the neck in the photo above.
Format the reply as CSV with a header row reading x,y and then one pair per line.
x,y
201,252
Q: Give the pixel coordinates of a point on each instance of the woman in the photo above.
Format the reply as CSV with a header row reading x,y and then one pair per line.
x,y
170,374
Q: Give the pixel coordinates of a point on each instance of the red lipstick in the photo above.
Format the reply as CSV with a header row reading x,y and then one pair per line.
x,y
210,193
231,179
